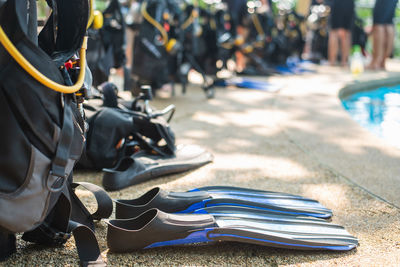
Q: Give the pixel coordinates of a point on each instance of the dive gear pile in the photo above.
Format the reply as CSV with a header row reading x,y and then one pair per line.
x,y
132,142
44,81
172,37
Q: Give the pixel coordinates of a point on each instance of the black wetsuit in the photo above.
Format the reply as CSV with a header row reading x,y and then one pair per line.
x,y
317,2
237,10
342,13
384,11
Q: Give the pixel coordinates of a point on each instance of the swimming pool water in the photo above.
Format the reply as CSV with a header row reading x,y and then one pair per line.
x,y
378,111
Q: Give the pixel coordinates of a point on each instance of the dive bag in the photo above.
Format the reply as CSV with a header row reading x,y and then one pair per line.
x,y
113,32
150,58
106,46
43,134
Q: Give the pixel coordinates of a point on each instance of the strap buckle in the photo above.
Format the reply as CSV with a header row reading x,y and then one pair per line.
x,y
54,236
63,177
61,237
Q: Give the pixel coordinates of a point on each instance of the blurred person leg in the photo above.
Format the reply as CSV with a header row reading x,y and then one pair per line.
x,y
130,35
378,46
345,45
333,47
389,44
382,33
341,20
240,58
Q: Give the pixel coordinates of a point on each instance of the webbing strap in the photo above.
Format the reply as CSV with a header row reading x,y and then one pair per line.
x,y
65,141
104,202
85,240
7,245
86,245
32,22
57,228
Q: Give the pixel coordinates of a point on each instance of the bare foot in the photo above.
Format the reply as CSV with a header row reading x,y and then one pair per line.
x,y
372,67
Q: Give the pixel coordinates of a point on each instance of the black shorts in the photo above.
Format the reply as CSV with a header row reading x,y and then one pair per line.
x,y
384,11
342,13
237,10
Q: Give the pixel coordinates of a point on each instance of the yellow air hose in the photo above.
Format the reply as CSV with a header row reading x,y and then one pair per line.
x,y
37,75
213,24
257,24
190,20
193,15
259,29
91,14
153,22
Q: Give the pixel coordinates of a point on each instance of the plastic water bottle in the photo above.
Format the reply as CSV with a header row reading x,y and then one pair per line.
x,y
356,61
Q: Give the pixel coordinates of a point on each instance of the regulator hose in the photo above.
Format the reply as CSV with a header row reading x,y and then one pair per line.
x,y
40,77
257,24
37,75
193,15
91,14
158,26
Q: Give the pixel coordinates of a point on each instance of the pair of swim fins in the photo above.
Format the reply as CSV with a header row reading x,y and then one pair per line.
x,y
213,214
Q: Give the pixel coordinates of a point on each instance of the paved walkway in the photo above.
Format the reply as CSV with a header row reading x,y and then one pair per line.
x,y
299,141
310,113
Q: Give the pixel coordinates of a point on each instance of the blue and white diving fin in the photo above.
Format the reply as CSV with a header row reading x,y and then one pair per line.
x,y
155,228
198,200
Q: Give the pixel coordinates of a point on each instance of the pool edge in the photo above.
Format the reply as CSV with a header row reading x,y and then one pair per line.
x,y
358,86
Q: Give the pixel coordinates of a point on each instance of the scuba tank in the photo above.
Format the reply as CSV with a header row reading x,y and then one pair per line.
x,y
318,25
196,52
106,44
224,36
113,33
150,57
294,34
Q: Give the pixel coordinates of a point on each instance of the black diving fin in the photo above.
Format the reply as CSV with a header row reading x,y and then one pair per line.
x,y
155,228
201,199
143,167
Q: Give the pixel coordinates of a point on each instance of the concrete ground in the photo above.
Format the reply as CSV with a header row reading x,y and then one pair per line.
x,y
299,140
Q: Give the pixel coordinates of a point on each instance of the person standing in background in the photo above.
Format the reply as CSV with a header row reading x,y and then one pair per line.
x,y
382,33
342,13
